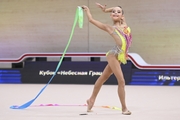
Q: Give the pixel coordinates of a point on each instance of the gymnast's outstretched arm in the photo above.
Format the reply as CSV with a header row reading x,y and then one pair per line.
x,y
97,23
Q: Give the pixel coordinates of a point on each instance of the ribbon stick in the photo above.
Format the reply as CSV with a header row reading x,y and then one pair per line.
x,y
79,19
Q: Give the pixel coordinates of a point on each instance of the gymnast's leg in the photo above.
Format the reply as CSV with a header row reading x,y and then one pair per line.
x,y
116,69
100,81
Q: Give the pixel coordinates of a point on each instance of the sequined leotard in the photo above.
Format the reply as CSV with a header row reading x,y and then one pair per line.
x,y
126,39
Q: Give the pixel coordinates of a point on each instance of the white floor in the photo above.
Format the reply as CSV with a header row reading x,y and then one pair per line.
x,y
145,102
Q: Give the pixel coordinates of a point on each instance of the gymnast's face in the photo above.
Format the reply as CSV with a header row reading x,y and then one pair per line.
x,y
116,14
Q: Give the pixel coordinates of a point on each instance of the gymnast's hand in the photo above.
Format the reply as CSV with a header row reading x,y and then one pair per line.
x,y
85,8
103,8
88,13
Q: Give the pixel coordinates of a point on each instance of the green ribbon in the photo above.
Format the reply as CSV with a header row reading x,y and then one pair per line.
x,y
79,19
80,16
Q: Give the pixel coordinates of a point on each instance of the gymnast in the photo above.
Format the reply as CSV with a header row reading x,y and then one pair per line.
x,y
121,34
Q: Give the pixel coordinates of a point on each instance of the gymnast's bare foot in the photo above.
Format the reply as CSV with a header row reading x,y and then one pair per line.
x,y
90,104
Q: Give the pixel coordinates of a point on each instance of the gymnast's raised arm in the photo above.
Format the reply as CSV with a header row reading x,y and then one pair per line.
x,y
109,10
104,9
100,25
